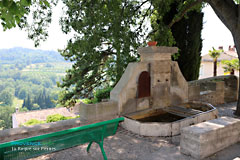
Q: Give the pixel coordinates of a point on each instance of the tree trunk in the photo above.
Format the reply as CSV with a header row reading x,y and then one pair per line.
x,y
215,67
229,13
232,72
237,44
237,112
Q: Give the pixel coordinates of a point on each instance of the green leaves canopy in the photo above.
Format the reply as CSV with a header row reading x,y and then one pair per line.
x,y
106,36
11,12
15,12
215,53
230,65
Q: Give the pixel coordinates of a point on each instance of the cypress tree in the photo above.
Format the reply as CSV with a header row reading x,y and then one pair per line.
x,y
28,103
187,36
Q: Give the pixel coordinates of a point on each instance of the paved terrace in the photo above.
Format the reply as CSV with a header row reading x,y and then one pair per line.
x,y
128,146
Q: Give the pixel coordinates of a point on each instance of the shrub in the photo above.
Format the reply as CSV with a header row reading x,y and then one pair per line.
x,y
55,118
50,118
33,122
102,94
89,101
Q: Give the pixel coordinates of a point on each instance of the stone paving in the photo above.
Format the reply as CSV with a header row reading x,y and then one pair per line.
x,y
128,146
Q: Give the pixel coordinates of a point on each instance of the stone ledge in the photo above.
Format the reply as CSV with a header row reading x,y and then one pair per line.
x,y
156,49
207,138
30,131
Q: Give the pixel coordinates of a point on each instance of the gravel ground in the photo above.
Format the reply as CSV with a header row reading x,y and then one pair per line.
x,y
227,109
128,146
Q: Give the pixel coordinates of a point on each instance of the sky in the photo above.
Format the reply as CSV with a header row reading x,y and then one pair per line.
x,y
214,34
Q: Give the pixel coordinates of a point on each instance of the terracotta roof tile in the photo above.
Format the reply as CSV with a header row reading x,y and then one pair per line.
x,y
23,117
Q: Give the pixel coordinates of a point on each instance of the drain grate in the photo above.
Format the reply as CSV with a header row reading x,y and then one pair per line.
x,y
181,111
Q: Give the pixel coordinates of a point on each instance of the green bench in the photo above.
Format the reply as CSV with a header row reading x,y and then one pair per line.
x,y
48,143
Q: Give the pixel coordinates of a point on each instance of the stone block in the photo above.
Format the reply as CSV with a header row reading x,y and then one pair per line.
x,y
87,111
106,109
98,111
156,53
155,129
161,67
207,138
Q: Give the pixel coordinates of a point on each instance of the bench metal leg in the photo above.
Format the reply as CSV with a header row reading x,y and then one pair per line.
x,y
102,149
89,145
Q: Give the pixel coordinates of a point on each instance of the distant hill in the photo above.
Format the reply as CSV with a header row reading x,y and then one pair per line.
x,y
28,56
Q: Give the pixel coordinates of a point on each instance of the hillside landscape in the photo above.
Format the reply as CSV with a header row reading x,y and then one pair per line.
x,y
28,80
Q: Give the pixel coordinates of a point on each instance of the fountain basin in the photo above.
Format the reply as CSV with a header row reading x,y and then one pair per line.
x,y
169,121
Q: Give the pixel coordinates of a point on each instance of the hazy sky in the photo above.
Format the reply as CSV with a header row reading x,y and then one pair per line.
x,y
214,34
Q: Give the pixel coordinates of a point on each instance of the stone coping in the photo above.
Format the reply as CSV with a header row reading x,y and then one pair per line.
x,y
158,49
35,130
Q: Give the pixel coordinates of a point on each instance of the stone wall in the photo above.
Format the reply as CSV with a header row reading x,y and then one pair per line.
x,y
214,90
126,89
98,111
40,129
179,86
30,131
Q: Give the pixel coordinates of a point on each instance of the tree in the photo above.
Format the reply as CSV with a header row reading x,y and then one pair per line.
x,y
103,44
186,35
215,54
6,117
13,13
28,103
23,93
6,97
230,65
226,10
114,40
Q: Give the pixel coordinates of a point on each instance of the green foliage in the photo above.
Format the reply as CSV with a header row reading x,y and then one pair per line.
x,y
33,122
184,33
55,118
50,118
102,94
22,57
89,101
107,35
230,65
187,34
23,109
11,12
6,116
17,83
98,96
6,97
41,101
215,53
